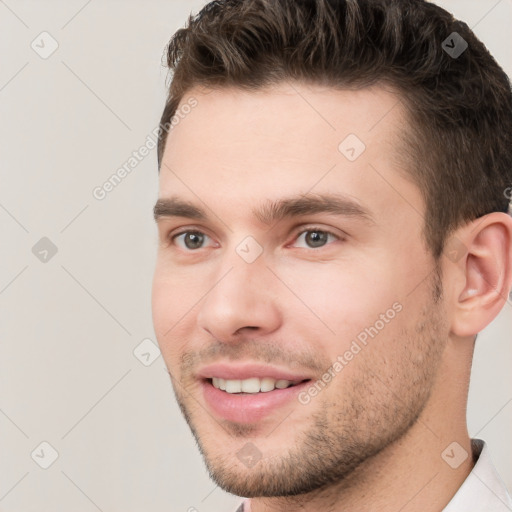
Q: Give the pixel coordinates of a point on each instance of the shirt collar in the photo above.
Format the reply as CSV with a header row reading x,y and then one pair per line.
x,y
483,489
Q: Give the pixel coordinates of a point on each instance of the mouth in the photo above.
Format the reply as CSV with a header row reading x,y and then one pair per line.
x,y
252,385
251,400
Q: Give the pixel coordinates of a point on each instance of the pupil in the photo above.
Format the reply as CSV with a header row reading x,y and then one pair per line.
x,y
316,238
193,240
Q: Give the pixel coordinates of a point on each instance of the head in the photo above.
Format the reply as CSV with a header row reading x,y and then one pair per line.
x,y
333,208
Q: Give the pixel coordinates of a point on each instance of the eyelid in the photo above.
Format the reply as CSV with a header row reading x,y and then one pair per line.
x,y
173,235
304,229
170,234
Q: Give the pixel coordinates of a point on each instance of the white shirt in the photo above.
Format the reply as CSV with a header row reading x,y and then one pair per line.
x,y
482,491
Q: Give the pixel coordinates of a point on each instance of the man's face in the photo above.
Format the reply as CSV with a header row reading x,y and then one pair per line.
x,y
308,267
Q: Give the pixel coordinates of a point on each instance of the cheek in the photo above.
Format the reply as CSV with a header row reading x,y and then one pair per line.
x,y
341,299
160,306
171,310
175,291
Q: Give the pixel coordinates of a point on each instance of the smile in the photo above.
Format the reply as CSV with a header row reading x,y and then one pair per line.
x,y
252,385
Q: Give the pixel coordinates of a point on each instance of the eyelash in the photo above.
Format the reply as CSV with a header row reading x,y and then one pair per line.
x,y
296,236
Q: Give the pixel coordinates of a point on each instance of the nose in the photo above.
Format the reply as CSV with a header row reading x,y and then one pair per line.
x,y
241,297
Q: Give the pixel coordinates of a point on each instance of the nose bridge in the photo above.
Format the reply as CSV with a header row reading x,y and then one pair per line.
x,y
239,283
243,269
240,294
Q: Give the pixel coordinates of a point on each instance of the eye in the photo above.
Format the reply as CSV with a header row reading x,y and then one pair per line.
x,y
315,237
190,240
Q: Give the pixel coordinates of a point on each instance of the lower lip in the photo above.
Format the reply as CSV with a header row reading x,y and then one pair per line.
x,y
248,408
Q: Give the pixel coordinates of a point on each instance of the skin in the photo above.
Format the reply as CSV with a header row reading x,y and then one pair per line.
x,y
373,438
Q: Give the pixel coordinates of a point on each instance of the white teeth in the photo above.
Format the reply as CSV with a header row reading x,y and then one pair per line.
x,y
281,384
219,383
252,385
267,384
233,386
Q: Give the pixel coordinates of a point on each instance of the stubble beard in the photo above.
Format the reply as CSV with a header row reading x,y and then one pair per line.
x,y
378,408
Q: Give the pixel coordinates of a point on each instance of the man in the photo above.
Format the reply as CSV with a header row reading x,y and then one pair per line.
x,y
334,229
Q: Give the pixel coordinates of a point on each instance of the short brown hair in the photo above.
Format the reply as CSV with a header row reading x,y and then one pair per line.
x,y
460,107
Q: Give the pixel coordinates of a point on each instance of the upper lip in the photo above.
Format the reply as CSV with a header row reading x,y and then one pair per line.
x,y
246,371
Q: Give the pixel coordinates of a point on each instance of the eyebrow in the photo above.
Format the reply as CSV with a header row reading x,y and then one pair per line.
x,y
273,211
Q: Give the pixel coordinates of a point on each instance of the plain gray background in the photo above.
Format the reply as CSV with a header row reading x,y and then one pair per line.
x,y
71,321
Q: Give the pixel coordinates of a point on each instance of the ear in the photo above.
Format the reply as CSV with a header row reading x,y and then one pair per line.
x,y
481,276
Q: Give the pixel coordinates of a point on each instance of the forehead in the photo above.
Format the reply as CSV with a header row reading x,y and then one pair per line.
x,y
237,146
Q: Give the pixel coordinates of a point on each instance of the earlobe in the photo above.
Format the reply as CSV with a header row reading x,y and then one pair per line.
x,y
486,269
